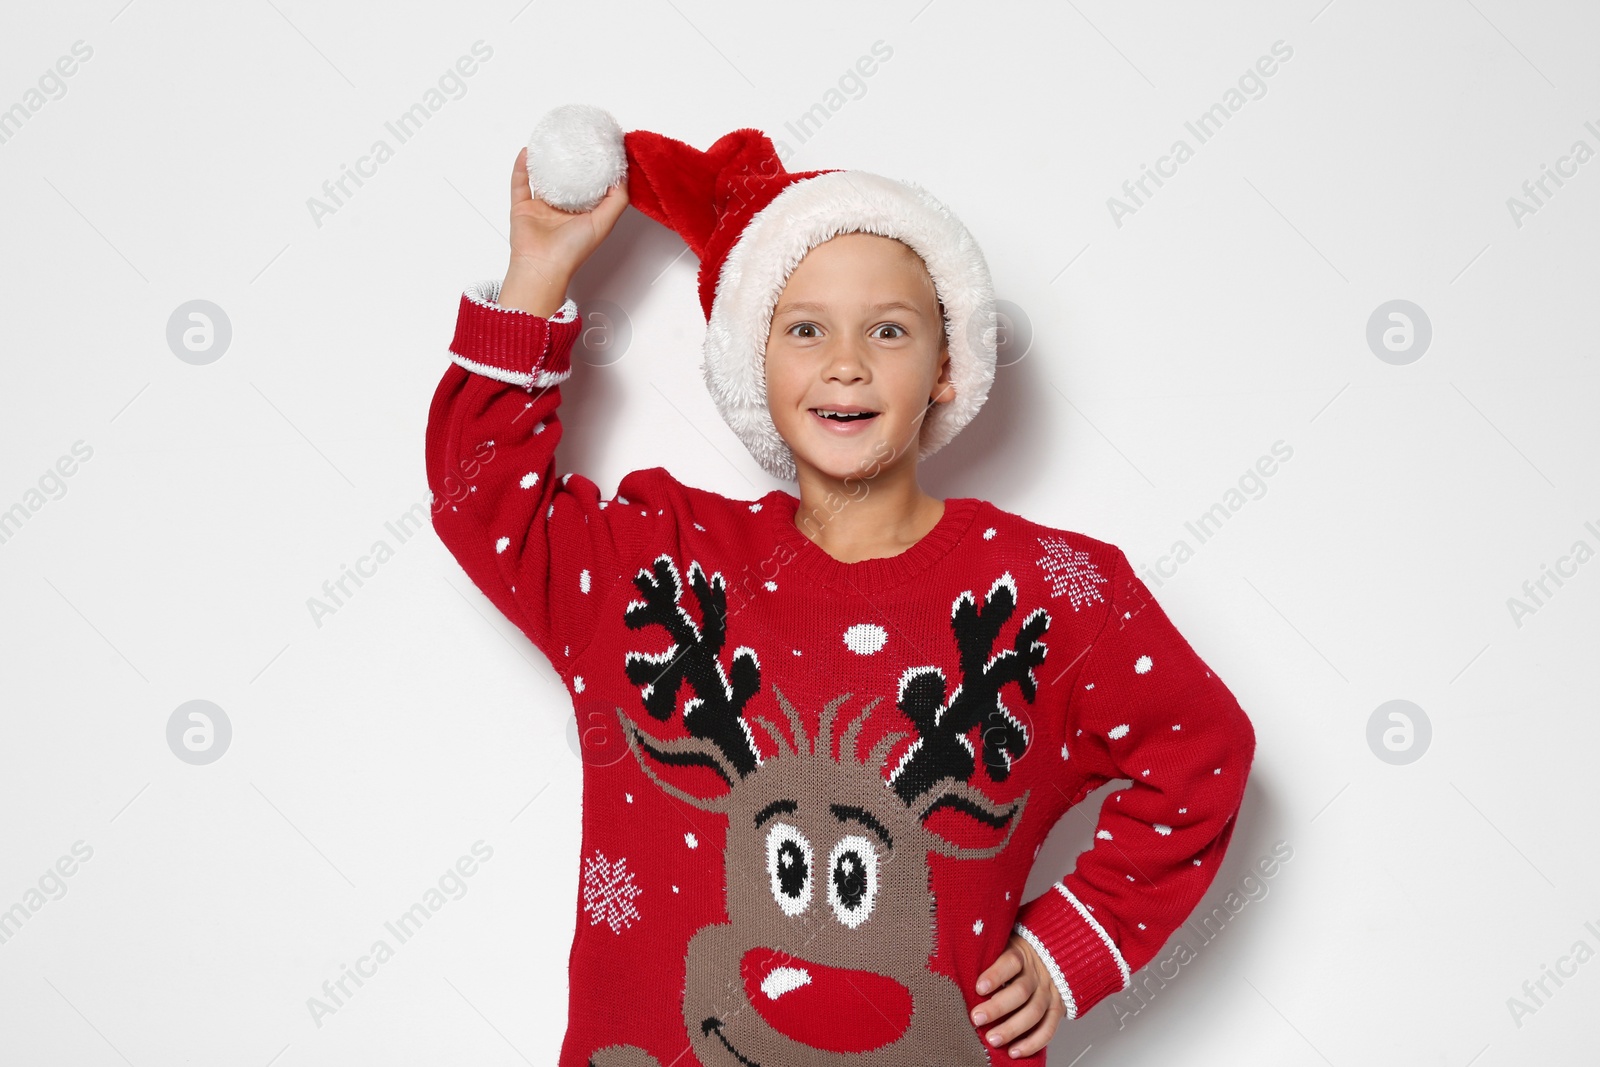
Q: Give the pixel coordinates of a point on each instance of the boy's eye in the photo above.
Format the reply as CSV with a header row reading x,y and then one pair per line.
x,y
809,330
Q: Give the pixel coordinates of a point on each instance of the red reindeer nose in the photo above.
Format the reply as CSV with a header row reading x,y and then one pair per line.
x,y
836,1009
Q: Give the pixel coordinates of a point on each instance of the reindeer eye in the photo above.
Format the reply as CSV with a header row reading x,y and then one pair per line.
x,y
789,868
852,879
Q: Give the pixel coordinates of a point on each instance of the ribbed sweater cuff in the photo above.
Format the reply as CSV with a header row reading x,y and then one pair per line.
x,y
512,345
1080,955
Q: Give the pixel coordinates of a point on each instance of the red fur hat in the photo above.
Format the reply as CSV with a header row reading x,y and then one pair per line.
x,y
751,222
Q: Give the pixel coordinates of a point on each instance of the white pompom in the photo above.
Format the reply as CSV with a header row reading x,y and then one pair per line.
x,y
575,154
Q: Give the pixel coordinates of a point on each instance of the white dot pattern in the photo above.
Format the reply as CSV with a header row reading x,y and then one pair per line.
x,y
865,638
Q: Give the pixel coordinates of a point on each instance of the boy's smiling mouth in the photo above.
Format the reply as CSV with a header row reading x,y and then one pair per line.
x,y
845,419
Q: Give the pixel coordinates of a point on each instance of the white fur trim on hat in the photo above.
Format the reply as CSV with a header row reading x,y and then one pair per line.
x,y
798,219
575,154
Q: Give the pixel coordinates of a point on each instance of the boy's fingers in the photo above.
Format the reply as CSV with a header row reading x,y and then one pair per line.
x,y
1039,1035
1016,1024
519,179
611,207
1003,1003
1001,971
1045,983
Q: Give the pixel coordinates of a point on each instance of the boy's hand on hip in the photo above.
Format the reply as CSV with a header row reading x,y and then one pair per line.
x,y
1026,1006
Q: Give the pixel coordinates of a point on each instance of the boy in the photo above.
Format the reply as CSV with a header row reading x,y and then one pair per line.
x,y
865,707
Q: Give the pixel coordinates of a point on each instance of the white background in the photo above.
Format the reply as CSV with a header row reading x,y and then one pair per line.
x,y
1167,354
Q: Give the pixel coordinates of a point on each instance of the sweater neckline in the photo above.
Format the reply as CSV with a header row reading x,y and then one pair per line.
x,y
812,563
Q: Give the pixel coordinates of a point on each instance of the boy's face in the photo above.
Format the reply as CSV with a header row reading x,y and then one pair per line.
x,y
857,327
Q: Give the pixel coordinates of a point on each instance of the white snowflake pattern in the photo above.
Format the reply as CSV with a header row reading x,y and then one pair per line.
x,y
608,892
1069,571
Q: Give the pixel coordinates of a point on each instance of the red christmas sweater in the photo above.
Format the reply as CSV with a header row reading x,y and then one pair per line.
x,y
813,790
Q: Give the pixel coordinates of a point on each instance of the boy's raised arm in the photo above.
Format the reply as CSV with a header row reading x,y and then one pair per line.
x,y
543,546
1144,707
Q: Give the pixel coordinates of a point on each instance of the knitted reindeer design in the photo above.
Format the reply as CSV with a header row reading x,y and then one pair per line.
x,y
824,958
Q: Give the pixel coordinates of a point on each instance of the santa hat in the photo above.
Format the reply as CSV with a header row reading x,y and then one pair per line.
x,y
751,222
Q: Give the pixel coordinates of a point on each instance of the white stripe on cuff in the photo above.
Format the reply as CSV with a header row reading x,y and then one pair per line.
x,y
1050,965
1111,947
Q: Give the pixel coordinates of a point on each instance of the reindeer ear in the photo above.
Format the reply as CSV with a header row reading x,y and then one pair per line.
x,y
965,824
693,769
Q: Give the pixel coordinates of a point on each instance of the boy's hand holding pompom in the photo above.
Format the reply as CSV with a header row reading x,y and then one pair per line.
x,y
548,245
1026,1001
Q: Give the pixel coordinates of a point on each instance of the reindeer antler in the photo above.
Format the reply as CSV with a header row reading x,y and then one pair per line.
x,y
716,711
942,749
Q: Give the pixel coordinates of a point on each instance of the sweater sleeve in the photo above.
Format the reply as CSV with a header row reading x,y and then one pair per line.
x,y
1146,708
544,547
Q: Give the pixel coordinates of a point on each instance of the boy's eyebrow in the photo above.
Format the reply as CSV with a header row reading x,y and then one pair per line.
x,y
806,305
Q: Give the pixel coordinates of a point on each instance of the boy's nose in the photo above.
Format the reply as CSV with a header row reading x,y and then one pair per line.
x,y
847,358
836,1009
842,368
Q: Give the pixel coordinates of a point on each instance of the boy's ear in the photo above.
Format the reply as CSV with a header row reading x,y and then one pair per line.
x,y
944,390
